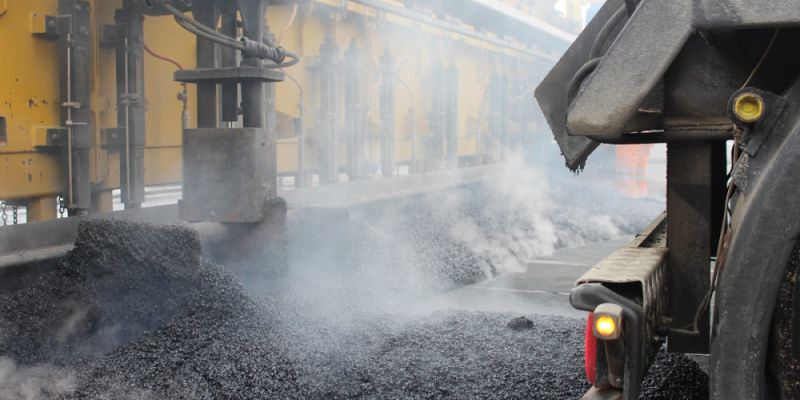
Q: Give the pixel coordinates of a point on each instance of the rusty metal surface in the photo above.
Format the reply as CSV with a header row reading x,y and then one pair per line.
x,y
642,261
629,265
636,265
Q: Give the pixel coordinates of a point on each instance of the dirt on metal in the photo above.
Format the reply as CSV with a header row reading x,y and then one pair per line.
x,y
782,347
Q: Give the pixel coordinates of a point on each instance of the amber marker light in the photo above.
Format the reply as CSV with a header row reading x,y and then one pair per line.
x,y
608,321
748,107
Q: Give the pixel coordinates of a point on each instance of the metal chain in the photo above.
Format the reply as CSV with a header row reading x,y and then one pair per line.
x,y
61,207
14,214
5,215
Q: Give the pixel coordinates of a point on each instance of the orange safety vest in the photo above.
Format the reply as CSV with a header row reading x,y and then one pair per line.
x,y
631,172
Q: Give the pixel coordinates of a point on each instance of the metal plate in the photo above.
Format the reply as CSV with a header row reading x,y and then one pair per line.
x,y
642,265
236,74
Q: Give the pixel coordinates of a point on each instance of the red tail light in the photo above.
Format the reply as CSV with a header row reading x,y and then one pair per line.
x,y
590,354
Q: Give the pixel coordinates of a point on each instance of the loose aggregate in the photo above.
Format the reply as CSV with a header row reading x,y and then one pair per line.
x,y
134,312
121,279
220,347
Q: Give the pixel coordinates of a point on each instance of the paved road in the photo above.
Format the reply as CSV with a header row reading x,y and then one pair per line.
x,y
542,289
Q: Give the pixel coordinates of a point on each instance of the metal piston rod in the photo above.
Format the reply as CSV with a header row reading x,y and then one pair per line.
x,y
230,173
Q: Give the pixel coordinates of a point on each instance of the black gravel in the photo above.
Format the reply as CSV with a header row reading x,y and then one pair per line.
x,y
134,312
459,355
120,279
674,377
520,324
220,347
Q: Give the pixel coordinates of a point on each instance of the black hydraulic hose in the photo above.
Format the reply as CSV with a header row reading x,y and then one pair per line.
x,y
599,42
602,37
202,30
579,77
631,6
249,48
293,60
256,49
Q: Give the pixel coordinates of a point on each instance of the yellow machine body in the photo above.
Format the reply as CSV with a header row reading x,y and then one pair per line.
x,y
33,173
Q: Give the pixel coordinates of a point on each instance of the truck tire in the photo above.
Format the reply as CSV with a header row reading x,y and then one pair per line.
x,y
765,230
783,362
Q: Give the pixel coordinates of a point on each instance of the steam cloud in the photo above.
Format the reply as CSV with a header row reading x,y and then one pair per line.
x,y
35,382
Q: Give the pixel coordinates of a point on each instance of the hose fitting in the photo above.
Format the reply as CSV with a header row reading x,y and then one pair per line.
x,y
255,49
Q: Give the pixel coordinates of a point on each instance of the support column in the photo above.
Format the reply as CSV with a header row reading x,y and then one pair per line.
x,y
75,66
354,127
103,201
695,193
130,104
41,209
230,90
328,84
207,13
451,116
387,113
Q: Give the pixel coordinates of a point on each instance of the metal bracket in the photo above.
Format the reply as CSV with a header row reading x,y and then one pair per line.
x,y
45,137
49,26
109,35
111,138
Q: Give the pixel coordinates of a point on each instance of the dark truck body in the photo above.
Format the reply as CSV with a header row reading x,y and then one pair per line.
x,y
655,71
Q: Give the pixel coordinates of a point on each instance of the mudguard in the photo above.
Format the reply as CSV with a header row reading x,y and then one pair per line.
x,y
765,228
552,91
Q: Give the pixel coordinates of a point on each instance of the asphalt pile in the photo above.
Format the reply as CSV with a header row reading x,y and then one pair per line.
x,y
421,245
674,377
119,280
219,347
135,312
